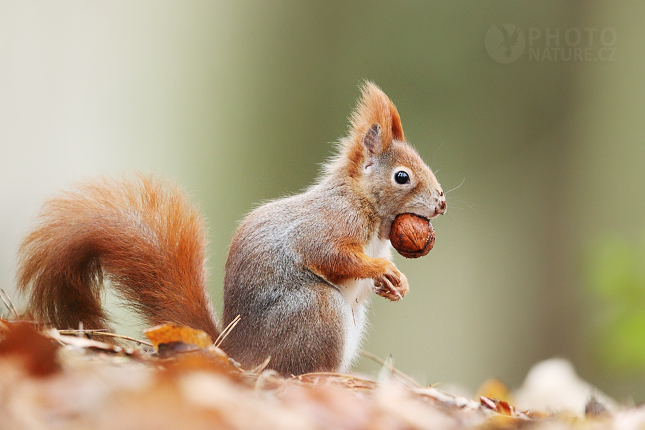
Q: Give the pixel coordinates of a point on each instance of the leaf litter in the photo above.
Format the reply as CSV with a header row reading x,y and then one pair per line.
x,y
180,379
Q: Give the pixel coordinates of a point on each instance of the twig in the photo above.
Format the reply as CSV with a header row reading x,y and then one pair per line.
x,y
120,336
103,332
89,330
349,381
338,375
8,303
259,369
395,371
226,331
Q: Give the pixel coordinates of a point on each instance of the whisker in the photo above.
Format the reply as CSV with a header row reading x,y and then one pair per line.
x,y
453,189
460,204
435,154
471,207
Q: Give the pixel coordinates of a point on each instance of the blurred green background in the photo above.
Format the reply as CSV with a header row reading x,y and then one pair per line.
x,y
542,251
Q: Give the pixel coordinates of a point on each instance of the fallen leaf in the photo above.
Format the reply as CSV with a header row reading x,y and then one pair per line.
x,y
36,352
169,334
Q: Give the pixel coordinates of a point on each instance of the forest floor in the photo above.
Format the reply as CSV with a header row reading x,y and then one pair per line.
x,y
52,379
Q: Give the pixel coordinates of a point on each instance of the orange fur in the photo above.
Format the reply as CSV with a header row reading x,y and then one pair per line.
x,y
374,107
348,262
142,235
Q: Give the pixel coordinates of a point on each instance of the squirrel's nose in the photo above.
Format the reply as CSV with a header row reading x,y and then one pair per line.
x,y
441,207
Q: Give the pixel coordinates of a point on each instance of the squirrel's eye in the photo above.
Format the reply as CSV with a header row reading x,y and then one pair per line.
x,y
401,177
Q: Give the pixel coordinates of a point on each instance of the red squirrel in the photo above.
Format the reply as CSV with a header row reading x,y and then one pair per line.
x,y
299,272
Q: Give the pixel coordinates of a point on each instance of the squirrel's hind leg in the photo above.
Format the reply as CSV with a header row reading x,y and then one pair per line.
x,y
302,331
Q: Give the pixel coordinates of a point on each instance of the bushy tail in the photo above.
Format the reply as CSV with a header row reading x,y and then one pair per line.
x,y
142,235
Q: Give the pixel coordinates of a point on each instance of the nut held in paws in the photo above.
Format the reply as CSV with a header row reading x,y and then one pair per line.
x,y
412,235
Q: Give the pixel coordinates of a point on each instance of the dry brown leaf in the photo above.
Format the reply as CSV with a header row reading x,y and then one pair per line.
x,y
176,333
36,352
203,389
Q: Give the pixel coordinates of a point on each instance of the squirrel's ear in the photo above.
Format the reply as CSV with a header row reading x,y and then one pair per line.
x,y
372,140
375,122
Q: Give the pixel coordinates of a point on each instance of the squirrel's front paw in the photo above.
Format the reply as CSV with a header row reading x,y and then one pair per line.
x,y
392,284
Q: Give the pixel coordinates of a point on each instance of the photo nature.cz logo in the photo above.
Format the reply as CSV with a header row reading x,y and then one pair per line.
x,y
506,43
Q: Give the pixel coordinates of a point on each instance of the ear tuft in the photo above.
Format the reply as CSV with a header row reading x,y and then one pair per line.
x,y
375,108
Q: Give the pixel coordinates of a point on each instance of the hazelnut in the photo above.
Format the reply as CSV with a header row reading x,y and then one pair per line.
x,y
412,235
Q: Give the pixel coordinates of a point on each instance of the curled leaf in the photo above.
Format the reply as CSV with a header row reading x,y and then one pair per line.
x,y
170,333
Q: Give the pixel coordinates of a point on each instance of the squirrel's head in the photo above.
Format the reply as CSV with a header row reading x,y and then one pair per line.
x,y
390,172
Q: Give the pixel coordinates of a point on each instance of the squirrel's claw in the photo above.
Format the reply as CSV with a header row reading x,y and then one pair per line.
x,y
392,285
